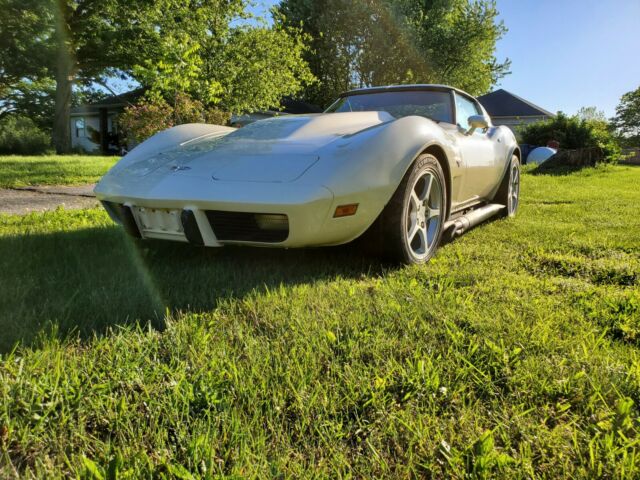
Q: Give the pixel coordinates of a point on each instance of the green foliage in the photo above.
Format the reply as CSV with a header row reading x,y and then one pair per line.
x,y
153,114
591,113
259,67
22,26
486,459
20,171
573,133
367,43
627,119
32,99
237,69
26,84
20,136
601,136
179,70
513,354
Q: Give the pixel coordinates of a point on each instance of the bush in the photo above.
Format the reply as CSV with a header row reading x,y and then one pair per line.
x,y
152,115
20,136
573,133
145,119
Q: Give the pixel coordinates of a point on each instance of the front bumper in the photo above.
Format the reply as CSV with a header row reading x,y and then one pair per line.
x,y
188,209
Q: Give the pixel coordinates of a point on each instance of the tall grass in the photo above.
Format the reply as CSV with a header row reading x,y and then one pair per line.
x,y
513,354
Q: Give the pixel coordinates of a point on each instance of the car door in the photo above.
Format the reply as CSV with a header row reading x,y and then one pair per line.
x,y
477,151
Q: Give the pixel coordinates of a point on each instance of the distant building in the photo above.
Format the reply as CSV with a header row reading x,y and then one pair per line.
x,y
510,110
94,127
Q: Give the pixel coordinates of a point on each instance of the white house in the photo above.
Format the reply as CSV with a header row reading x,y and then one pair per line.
x,y
94,127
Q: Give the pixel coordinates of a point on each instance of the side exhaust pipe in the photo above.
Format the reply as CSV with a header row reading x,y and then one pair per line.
x,y
458,226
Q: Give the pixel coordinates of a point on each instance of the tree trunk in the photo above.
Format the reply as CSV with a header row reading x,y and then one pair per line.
x,y
64,82
61,127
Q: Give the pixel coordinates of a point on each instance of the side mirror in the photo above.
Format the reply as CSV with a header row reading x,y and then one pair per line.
x,y
478,122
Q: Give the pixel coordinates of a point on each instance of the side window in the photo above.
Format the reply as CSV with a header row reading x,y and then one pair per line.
x,y
465,108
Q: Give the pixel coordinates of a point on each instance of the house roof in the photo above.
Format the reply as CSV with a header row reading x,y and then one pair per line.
x,y
293,106
502,103
112,101
122,99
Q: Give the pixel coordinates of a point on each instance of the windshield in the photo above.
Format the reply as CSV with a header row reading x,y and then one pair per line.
x,y
430,104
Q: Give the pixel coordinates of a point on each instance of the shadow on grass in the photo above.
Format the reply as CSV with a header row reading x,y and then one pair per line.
x,y
86,281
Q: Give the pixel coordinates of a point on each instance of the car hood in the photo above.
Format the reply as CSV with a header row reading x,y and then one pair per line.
x,y
278,149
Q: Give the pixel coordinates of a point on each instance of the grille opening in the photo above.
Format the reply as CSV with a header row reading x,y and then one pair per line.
x,y
249,227
114,210
122,215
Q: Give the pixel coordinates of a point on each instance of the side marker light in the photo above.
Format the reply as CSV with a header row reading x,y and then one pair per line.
x,y
346,210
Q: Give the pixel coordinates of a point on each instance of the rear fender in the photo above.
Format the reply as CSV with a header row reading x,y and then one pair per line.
x,y
512,148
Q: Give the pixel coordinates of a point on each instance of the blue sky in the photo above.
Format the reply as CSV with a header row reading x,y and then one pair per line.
x,y
567,54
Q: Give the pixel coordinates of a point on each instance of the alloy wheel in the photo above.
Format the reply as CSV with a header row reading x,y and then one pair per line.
x,y
424,215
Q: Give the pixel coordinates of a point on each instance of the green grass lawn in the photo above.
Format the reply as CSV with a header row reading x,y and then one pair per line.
x,y
20,171
513,354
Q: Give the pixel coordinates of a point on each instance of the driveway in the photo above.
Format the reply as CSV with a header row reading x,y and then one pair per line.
x,y
23,200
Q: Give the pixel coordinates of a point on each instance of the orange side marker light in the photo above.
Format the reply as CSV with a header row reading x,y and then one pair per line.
x,y
346,210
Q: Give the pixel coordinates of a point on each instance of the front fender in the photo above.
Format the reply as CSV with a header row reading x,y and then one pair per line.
x,y
367,167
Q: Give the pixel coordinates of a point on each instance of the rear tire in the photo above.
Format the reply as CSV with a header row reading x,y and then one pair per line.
x,y
411,224
509,191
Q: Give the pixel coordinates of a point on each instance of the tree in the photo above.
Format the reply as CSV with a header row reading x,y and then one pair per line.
x,y
25,77
95,39
591,113
377,42
32,99
173,46
627,119
22,25
82,42
258,67
238,69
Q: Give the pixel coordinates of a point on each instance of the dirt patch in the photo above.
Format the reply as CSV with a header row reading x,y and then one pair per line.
x,y
73,190
23,200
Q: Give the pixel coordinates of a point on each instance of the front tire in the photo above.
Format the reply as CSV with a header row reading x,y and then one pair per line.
x,y
413,220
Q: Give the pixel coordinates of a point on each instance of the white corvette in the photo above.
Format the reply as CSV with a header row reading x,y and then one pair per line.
x,y
403,164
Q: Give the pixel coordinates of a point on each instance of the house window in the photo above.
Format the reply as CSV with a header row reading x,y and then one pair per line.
x,y
112,125
80,127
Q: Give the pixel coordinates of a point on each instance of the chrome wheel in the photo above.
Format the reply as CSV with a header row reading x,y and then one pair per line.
x,y
514,189
424,215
